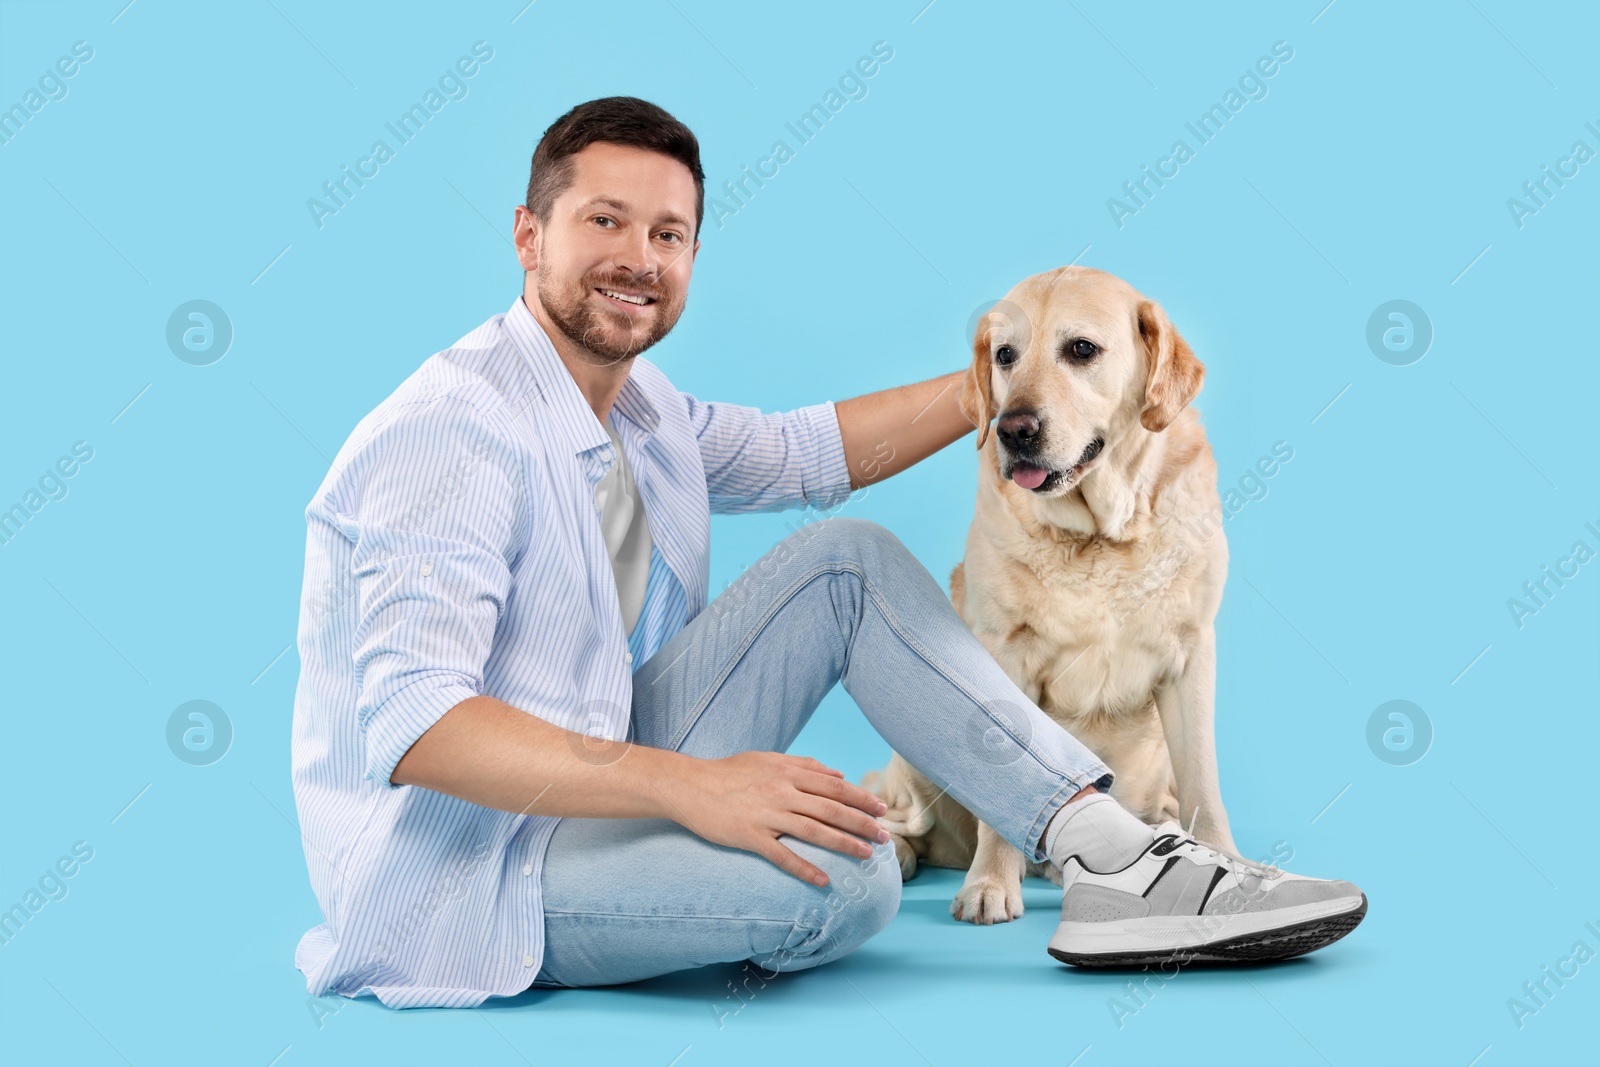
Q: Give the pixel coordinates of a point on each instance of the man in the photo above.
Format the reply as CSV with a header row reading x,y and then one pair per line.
x,y
526,752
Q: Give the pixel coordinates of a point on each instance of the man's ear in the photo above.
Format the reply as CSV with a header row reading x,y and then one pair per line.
x,y
977,392
1174,372
526,237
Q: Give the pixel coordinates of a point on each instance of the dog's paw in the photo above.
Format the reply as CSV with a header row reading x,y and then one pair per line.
x,y
985,901
905,854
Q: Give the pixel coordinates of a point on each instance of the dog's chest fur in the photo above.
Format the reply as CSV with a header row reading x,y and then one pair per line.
x,y
1089,628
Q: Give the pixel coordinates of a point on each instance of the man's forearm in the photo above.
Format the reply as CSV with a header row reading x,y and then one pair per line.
x,y
888,431
485,751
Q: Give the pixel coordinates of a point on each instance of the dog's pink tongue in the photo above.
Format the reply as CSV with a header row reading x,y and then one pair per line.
x,y
1028,476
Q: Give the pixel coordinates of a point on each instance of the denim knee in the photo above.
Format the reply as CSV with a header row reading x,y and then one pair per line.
x,y
860,899
846,538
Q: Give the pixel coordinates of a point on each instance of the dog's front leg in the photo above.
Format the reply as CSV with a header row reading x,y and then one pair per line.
x,y
992,891
1187,708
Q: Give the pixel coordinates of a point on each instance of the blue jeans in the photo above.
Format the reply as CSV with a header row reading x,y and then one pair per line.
x,y
840,600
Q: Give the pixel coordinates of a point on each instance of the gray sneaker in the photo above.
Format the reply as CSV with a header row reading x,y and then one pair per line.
x,y
1181,900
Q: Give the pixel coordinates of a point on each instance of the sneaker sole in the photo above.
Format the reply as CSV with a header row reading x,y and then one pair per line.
x,y
1130,946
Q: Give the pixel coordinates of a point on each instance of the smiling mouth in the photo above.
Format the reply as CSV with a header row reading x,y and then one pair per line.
x,y
1041,479
631,303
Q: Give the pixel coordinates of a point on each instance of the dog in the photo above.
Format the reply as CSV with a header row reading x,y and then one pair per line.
x,y
1093,570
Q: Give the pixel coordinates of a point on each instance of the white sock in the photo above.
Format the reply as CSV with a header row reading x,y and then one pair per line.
x,y
1103,834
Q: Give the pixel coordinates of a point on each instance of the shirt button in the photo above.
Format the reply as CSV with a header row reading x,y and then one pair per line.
x,y
628,656
527,961
427,567
605,453
527,870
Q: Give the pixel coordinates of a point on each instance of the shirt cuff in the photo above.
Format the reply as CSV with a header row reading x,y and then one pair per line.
x,y
830,484
396,724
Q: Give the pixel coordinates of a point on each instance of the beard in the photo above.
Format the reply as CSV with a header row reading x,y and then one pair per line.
x,y
610,335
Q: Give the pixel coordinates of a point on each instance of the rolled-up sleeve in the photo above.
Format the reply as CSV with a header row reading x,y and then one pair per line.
x,y
769,461
437,506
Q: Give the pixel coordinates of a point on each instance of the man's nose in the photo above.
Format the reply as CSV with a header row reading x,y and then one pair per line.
x,y
1018,430
640,257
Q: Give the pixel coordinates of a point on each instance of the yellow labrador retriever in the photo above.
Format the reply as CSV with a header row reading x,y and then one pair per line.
x,y
1094,566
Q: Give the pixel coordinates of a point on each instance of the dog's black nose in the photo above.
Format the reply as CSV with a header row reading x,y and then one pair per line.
x,y
1018,430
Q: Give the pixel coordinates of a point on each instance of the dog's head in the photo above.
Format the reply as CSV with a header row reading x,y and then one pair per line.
x,y
1073,365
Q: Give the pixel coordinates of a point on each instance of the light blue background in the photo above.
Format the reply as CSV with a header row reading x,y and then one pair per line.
x,y
1377,567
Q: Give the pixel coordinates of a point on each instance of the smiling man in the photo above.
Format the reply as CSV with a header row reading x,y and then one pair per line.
x,y
526,750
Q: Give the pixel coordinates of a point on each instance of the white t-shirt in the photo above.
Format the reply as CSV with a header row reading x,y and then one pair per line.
x,y
626,531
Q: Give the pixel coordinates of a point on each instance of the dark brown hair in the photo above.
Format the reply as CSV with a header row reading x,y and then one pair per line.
x,y
622,120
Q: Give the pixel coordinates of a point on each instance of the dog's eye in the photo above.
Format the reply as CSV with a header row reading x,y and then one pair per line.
x,y
1081,349
1005,355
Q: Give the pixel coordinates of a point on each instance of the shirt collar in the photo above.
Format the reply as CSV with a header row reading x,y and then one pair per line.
x,y
572,414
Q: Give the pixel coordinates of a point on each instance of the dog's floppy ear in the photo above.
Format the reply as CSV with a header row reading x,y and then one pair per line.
x,y
977,393
1175,373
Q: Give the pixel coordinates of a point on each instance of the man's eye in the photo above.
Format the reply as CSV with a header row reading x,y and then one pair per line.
x,y
1082,349
669,235
602,218
1005,355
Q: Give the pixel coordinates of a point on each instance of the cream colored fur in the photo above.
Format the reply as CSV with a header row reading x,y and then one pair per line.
x,y
1097,597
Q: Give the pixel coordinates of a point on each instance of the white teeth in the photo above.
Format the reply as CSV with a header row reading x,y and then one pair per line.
x,y
640,300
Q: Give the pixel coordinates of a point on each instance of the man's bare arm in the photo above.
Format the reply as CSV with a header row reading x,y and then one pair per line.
x,y
485,751
888,431
492,754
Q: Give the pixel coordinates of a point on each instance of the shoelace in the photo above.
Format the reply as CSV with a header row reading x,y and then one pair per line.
x,y
1234,862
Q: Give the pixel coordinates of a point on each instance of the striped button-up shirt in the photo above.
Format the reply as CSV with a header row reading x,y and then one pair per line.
x,y
453,550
